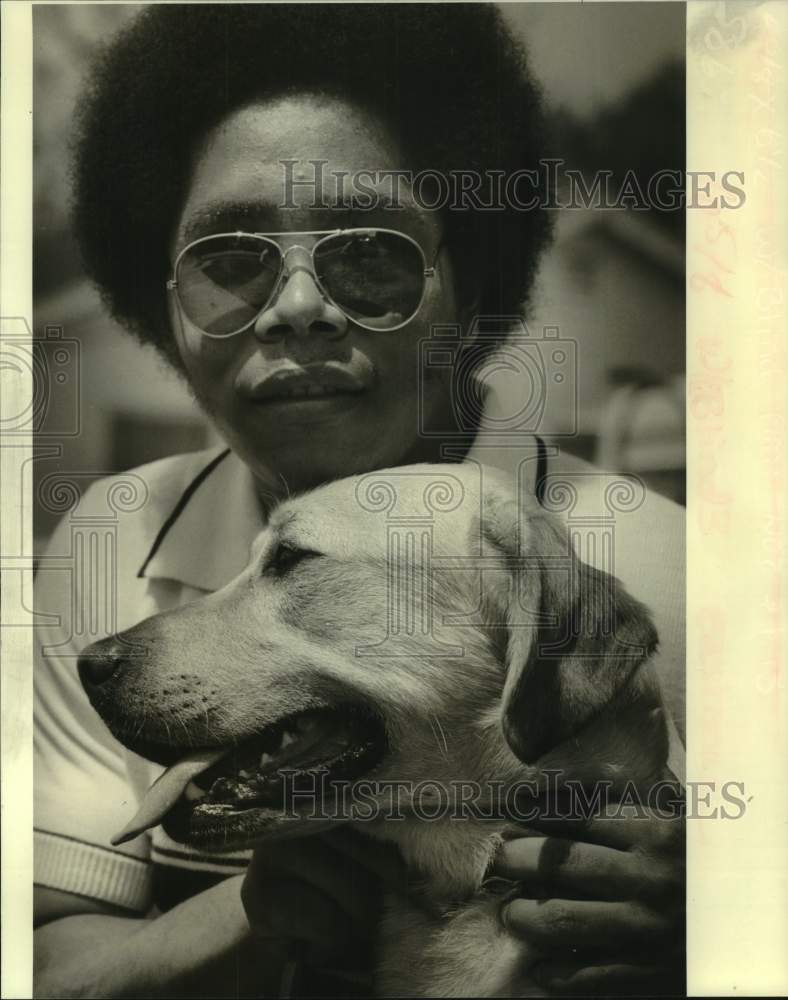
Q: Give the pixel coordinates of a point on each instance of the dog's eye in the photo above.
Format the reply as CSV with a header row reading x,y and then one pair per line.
x,y
286,557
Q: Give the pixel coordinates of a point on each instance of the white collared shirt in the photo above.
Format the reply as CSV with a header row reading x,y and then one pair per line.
x,y
188,533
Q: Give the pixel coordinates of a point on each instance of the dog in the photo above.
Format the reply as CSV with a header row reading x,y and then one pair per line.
x,y
416,628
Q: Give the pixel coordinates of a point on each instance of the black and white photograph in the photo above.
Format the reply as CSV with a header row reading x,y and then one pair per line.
x,y
359,495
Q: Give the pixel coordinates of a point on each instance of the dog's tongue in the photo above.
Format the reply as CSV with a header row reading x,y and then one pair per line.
x,y
165,792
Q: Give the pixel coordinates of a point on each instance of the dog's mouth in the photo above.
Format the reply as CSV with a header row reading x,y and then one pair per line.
x,y
293,766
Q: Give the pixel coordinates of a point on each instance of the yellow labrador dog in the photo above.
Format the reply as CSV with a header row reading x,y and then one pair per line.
x,y
414,631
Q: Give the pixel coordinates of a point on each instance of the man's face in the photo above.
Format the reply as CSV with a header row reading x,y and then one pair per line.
x,y
238,184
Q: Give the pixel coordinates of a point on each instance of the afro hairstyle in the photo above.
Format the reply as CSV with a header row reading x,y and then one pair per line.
x,y
448,80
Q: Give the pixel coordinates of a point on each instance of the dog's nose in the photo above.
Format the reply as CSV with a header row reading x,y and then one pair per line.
x,y
101,661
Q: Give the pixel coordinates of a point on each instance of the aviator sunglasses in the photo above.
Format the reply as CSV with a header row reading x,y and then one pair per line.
x,y
375,277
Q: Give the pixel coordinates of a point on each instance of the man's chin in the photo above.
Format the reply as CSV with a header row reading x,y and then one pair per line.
x,y
309,464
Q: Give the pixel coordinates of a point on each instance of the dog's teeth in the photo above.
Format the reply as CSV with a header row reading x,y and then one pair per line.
x,y
193,792
265,759
287,739
245,775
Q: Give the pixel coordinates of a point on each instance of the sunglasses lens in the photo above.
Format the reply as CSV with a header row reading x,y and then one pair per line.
x,y
224,281
376,278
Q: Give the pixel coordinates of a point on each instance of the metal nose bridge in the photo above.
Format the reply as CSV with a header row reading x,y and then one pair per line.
x,y
288,268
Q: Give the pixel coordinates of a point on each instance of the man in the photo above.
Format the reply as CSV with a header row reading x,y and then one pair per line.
x,y
199,219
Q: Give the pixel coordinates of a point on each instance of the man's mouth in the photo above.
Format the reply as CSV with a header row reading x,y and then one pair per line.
x,y
306,391
304,757
313,384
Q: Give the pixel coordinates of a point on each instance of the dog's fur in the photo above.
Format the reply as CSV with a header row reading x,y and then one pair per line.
x,y
525,696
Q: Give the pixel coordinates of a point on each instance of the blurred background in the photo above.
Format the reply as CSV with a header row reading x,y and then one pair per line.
x,y
613,75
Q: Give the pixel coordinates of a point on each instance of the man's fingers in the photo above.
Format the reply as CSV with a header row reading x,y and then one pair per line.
x,y
576,870
570,979
569,926
649,832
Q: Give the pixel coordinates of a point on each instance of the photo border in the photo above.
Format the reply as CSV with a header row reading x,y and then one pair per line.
x,y
736,510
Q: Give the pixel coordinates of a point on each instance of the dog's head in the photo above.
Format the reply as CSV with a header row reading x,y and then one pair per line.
x,y
413,626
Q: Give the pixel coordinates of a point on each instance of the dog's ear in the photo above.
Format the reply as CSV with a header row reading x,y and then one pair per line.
x,y
574,635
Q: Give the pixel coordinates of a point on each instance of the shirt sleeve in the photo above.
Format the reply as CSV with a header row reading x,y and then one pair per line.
x,y
82,790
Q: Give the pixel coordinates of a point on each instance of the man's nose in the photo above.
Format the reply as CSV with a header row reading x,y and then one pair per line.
x,y
300,308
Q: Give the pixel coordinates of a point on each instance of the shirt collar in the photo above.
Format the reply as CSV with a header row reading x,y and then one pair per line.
x,y
205,540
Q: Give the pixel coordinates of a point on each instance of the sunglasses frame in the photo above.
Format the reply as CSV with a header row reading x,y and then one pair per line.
x,y
325,235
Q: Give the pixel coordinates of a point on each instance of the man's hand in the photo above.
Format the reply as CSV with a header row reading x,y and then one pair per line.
x,y
230,940
602,902
319,898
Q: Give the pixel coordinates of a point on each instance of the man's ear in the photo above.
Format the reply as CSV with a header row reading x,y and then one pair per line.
x,y
574,635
